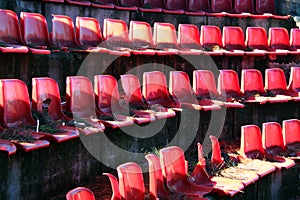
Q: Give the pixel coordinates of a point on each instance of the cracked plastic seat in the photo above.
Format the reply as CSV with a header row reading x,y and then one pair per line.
x,y
88,34
140,35
189,38
34,30
279,39
131,181
132,88
10,35
275,83
114,186
46,98
211,40
80,101
233,41
115,34
16,113
156,182
291,136
108,101
182,92
228,85
294,81
252,87
175,173
272,140
80,193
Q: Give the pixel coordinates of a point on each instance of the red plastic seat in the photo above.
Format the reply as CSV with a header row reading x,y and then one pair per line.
x,y
198,7
295,38
105,4
7,146
115,33
107,100
272,140
189,38
78,2
132,88
228,85
175,7
34,32
155,90
156,182
233,40
80,101
131,3
131,181
211,40
153,6
10,34
140,35
225,7
243,6
63,35
275,83
88,34
252,87
267,7
279,39
291,134
15,112
175,173
80,193
294,82
181,90
46,89
114,186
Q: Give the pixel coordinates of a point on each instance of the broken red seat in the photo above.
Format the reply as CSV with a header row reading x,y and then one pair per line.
x,y
132,88
182,92
80,193
108,100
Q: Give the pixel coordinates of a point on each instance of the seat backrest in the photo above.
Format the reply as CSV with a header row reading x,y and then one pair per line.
x,y
80,193
9,27
251,141
88,31
204,84
155,87
164,35
154,3
210,36
279,38
80,99
106,93
294,82
114,186
265,6
156,182
34,29
131,182
221,6
188,36
175,4
113,2
45,91
228,83
63,34
216,157
275,80
272,138
180,87
15,104
196,5
140,34
115,33
241,6
233,38
172,161
132,89
252,82
295,38
256,38
291,131
137,3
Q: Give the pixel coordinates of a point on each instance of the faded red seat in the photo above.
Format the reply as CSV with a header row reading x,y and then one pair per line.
x,y
291,134
189,38
80,193
182,92
156,182
34,30
131,181
107,101
272,140
132,88
114,186
10,34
